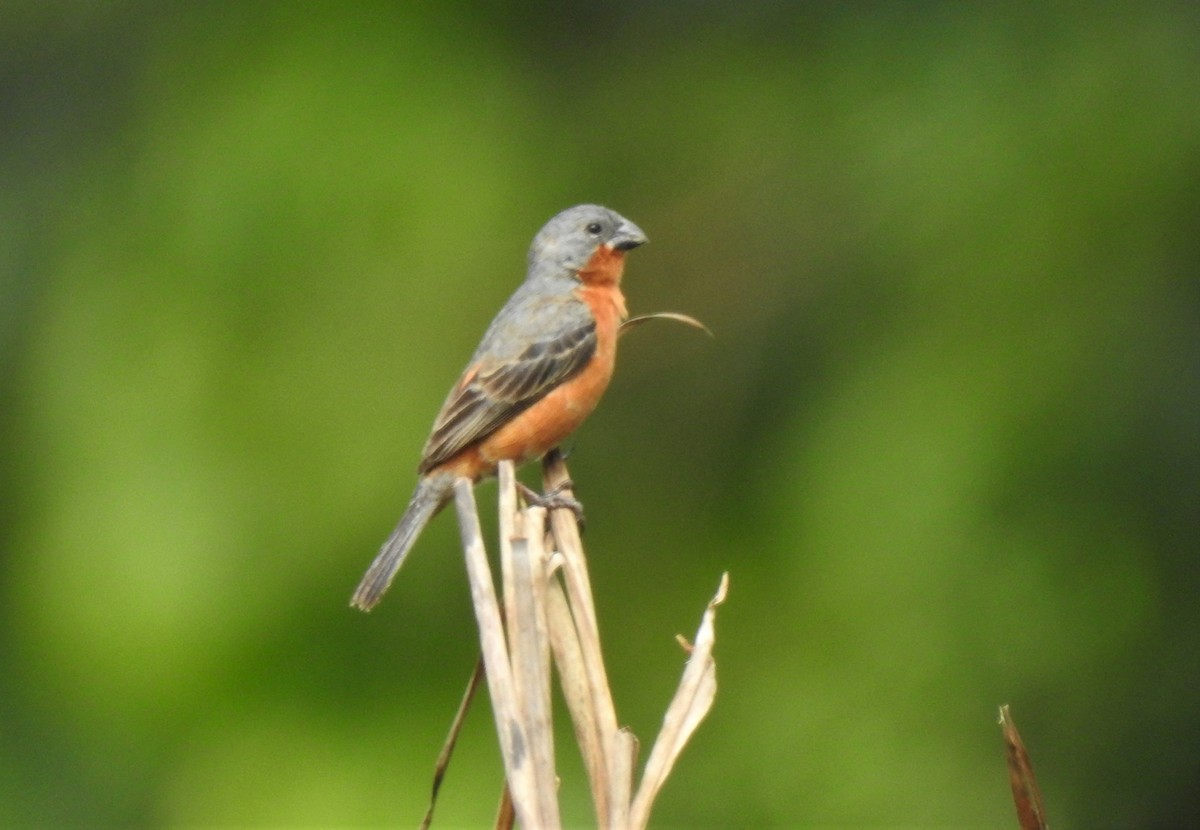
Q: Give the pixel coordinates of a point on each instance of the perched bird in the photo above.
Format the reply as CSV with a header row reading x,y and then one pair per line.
x,y
539,372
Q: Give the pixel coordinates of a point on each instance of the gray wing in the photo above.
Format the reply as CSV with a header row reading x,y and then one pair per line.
x,y
532,346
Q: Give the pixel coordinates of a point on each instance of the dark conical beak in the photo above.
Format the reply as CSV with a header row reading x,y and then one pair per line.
x,y
627,237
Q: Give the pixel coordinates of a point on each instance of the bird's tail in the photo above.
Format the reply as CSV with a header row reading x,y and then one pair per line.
x,y
431,495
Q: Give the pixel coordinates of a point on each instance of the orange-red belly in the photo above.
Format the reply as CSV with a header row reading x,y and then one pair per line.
x,y
543,426
548,422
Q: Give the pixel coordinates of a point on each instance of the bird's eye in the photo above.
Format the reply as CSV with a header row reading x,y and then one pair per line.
x,y
594,228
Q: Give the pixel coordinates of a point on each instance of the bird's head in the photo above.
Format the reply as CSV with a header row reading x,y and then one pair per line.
x,y
569,240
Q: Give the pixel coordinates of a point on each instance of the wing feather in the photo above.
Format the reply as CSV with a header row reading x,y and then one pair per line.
x,y
493,391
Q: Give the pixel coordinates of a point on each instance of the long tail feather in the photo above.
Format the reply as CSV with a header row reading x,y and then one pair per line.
x,y
431,495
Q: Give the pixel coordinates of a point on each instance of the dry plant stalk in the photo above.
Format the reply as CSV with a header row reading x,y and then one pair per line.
x,y
549,616
443,761
1027,796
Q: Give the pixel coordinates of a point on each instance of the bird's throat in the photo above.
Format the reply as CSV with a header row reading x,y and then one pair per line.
x,y
604,267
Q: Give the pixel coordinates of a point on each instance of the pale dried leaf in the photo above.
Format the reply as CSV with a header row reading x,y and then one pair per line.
x,y
514,739
573,680
692,701
531,657
686,319
1027,796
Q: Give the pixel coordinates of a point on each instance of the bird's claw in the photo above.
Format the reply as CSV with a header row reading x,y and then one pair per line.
x,y
555,498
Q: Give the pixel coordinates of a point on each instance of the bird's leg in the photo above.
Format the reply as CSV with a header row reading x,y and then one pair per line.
x,y
554,498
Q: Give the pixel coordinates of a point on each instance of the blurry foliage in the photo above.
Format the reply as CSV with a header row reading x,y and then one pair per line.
x,y
946,440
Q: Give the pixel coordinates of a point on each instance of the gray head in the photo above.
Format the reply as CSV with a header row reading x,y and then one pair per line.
x,y
569,239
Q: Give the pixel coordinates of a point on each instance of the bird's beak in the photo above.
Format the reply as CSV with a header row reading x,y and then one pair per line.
x,y
627,237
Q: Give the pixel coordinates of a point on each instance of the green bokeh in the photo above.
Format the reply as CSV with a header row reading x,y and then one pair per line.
x,y
946,440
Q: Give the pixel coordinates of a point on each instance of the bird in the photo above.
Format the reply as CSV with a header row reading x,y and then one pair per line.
x,y
539,371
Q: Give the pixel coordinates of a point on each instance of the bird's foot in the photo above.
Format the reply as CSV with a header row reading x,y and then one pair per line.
x,y
555,498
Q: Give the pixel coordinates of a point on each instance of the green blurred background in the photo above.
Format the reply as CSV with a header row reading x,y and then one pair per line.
x,y
946,440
